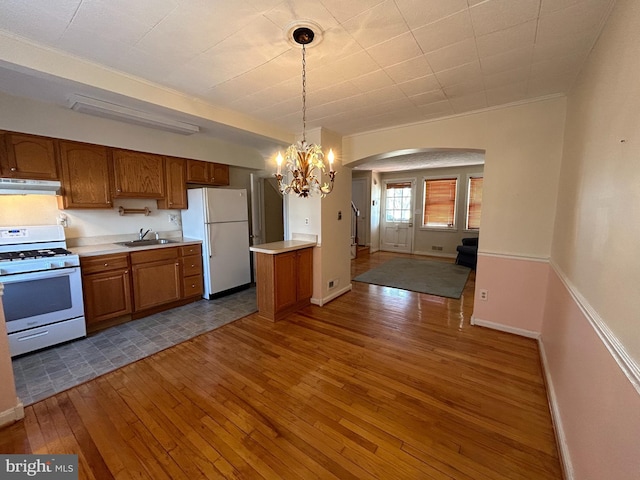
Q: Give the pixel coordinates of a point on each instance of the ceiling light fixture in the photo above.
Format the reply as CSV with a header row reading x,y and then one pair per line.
x,y
103,109
304,161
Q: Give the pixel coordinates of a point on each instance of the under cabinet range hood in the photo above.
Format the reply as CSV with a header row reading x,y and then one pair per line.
x,y
19,186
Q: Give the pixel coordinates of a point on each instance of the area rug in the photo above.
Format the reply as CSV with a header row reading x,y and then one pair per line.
x,y
424,276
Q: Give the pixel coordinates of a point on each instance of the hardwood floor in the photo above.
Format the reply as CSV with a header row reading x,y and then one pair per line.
x,y
379,383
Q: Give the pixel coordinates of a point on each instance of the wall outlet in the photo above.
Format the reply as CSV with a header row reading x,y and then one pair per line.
x,y
484,295
306,221
333,283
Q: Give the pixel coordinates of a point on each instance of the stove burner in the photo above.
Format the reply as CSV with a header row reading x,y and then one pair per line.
x,y
31,254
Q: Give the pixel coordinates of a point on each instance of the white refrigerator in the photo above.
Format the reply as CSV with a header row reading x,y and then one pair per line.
x,y
219,217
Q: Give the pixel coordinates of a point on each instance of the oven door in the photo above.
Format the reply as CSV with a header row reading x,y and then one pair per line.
x,y
42,298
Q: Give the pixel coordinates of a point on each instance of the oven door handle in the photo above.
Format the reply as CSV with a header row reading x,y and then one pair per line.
x,y
32,336
25,277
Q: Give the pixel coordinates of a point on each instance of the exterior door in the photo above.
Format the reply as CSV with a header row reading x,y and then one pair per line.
x,y
396,227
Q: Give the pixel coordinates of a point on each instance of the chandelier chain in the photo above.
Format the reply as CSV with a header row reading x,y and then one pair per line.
x,y
304,165
304,94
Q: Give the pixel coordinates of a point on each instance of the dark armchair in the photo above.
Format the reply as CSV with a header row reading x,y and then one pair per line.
x,y
468,252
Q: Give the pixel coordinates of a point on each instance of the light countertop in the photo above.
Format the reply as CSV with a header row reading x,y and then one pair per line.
x,y
275,248
110,248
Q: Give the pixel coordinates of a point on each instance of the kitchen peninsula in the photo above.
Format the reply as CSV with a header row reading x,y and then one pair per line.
x,y
284,277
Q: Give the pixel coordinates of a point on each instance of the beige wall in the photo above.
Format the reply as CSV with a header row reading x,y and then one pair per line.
x,y
597,227
523,146
591,332
29,116
336,225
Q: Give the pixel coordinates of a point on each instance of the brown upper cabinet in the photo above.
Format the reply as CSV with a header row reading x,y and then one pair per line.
x,y
93,175
207,173
28,156
138,175
85,175
175,184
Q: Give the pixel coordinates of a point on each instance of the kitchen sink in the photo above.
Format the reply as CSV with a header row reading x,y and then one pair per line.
x,y
145,243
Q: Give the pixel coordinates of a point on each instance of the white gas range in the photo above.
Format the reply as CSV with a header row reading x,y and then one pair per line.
x,y
42,288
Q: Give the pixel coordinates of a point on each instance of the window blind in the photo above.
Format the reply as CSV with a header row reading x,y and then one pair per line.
x,y
475,203
440,202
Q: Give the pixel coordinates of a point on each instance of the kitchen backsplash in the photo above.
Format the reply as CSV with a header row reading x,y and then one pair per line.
x,y
86,224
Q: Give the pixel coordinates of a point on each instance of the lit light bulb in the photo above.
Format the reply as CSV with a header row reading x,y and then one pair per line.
x,y
279,162
330,156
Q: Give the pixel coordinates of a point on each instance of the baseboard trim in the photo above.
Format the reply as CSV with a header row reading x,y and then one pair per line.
x,y
323,301
504,328
12,415
435,254
561,438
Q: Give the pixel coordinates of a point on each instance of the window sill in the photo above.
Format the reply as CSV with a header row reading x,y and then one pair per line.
x,y
439,229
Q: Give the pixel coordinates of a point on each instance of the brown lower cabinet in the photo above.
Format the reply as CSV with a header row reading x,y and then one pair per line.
x,y
156,278
124,286
106,284
284,282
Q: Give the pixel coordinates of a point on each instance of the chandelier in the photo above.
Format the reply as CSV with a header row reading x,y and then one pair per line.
x,y
304,161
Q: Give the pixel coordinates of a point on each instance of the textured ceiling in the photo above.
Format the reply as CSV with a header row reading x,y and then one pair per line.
x,y
380,63
405,160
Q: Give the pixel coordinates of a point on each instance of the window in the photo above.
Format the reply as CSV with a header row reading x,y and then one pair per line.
x,y
398,202
474,202
440,202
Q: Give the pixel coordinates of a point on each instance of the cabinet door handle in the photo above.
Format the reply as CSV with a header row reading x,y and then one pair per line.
x,y
177,264
14,169
126,272
106,264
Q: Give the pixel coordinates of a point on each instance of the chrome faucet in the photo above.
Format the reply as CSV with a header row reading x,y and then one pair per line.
x,y
142,235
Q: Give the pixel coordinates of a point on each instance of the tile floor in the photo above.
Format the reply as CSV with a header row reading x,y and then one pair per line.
x,y
41,374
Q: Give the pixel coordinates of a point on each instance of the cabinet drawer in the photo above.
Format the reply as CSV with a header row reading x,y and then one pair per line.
x,y
103,263
190,250
192,286
191,265
154,255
